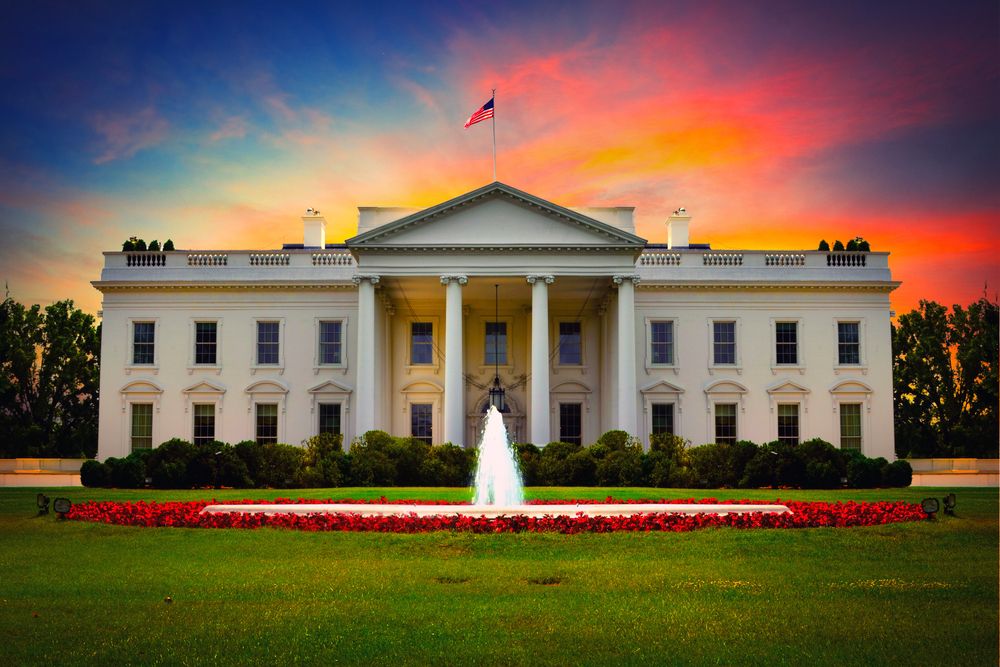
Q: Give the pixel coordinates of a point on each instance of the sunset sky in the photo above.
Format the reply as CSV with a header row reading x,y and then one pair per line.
x,y
775,124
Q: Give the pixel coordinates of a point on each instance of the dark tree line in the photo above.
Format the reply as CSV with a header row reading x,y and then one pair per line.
x,y
49,380
945,381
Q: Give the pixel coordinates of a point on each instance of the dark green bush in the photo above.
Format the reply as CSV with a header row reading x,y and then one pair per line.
x,y
248,451
668,463
581,468
408,454
167,464
616,441
897,474
825,465
447,465
279,465
127,473
528,457
553,469
95,474
824,246
621,467
838,246
128,245
852,245
168,245
140,244
154,245
324,463
714,465
863,472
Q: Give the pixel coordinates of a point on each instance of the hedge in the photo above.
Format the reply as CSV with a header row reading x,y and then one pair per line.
x,y
380,459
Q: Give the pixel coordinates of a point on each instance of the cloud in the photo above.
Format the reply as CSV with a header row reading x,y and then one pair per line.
x,y
234,127
127,133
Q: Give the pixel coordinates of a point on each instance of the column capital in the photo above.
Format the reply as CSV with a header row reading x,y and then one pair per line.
x,y
532,279
370,277
458,278
619,278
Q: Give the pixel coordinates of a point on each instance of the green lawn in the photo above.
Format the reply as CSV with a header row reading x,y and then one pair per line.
x,y
910,594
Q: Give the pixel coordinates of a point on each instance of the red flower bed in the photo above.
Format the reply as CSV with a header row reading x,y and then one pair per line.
x,y
804,515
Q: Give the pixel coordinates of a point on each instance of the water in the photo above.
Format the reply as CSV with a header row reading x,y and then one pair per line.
x,y
498,479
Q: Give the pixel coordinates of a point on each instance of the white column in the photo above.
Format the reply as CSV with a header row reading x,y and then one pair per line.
x,y
627,409
365,414
454,384
540,358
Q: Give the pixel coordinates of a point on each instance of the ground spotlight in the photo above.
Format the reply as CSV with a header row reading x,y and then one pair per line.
x,y
62,506
949,504
42,501
930,505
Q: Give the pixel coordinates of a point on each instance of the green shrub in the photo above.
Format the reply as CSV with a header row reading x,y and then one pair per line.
x,y
581,468
127,473
95,474
825,465
371,464
553,469
621,467
528,457
712,465
759,470
323,462
824,246
617,440
838,246
140,244
864,246
447,465
897,474
408,454
863,472
168,245
852,245
279,465
128,246
167,464
248,452
154,245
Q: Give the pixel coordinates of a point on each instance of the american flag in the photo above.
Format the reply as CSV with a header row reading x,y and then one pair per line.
x,y
484,112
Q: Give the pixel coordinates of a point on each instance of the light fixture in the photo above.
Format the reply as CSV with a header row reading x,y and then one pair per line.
x,y
42,502
949,504
62,506
930,506
498,397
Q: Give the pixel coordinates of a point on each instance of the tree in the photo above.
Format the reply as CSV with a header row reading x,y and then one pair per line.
x,y
838,246
168,245
824,246
945,380
49,380
154,245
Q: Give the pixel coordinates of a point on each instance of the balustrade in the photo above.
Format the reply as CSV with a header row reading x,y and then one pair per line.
x,y
269,259
207,259
332,259
145,259
722,259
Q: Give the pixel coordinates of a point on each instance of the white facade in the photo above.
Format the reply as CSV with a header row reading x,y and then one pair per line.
x,y
600,329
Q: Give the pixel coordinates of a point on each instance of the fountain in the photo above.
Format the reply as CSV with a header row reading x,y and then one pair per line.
x,y
499,491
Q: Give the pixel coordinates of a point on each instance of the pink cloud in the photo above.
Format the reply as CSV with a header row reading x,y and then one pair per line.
x,y
125,134
234,127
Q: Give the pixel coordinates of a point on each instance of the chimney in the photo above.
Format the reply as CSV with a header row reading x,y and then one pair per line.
x,y
677,229
314,229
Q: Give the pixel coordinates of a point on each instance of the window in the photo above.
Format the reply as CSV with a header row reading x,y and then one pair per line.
x,y
570,352
724,343
496,343
204,423
205,342
143,342
663,418
786,342
571,423
421,343
788,423
267,423
848,343
329,418
268,343
662,342
142,426
725,423
850,426
422,421
330,342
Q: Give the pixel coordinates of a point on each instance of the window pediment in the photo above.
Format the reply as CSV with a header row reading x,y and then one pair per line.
x,y
267,387
787,387
423,387
725,387
570,388
662,387
850,387
141,387
204,387
330,387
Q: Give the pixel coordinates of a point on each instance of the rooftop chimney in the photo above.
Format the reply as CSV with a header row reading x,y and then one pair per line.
x,y
677,229
314,229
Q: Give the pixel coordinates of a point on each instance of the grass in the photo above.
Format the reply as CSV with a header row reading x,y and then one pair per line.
x,y
918,593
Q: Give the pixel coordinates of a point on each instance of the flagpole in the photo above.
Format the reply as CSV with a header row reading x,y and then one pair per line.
x,y
494,98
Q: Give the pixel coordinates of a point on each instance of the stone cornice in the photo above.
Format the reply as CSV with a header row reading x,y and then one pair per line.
x,y
833,286
105,286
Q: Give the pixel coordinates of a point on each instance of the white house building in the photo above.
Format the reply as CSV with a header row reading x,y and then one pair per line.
x,y
403,327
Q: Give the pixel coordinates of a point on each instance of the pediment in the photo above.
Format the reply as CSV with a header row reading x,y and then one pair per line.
x,y
141,387
205,387
330,387
661,387
267,387
570,388
423,387
787,387
497,215
850,387
725,387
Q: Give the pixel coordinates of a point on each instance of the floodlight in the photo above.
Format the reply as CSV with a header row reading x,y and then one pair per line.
x,y
42,502
930,506
949,504
62,506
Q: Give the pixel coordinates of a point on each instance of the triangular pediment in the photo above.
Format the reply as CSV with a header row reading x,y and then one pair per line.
x,y
497,216
662,387
330,387
787,387
205,387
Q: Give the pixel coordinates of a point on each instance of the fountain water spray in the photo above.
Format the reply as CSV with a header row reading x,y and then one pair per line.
x,y
498,478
